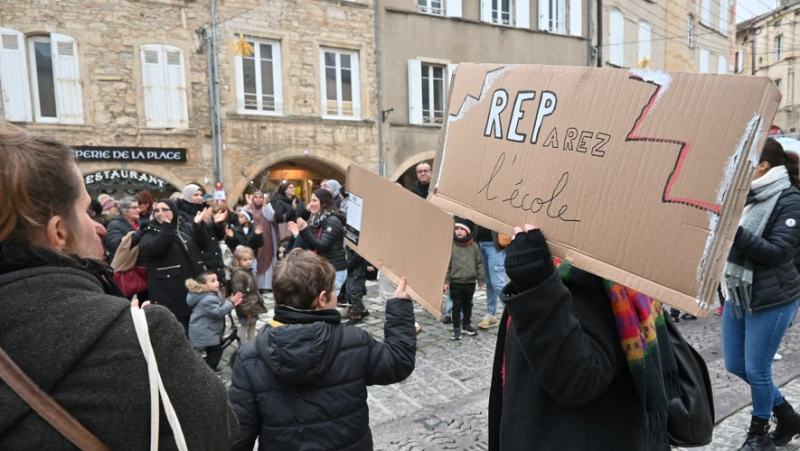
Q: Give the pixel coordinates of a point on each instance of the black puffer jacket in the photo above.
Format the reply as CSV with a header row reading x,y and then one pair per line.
x,y
284,211
250,239
303,385
330,243
212,256
776,280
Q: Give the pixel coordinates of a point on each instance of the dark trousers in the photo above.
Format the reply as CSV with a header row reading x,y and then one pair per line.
x,y
461,294
214,355
355,291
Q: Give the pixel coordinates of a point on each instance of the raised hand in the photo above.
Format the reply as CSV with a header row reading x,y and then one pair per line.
x,y
400,292
220,216
301,223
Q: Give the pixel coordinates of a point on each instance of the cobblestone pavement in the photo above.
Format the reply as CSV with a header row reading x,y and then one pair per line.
x,y
442,405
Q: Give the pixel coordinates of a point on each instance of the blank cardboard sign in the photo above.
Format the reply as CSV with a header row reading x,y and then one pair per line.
x,y
637,176
401,234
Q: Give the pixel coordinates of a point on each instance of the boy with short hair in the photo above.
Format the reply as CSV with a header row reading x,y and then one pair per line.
x,y
466,267
303,381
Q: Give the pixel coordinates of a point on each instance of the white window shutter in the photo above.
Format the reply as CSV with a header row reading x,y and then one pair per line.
x,y
705,12
723,17
523,14
575,17
722,65
703,61
617,38
544,15
14,77
414,92
67,75
453,8
176,89
154,85
277,77
356,74
644,44
486,11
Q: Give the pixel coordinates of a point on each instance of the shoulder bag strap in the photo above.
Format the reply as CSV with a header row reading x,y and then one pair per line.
x,y
156,385
46,406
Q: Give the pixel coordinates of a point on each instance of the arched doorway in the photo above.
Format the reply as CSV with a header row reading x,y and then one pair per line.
x,y
409,176
305,174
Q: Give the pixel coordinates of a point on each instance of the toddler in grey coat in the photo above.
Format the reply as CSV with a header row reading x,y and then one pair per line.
x,y
207,323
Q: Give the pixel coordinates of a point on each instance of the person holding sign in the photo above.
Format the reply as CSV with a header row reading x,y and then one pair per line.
x,y
762,287
577,364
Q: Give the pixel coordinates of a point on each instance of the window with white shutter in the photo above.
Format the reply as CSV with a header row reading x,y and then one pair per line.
x,y
703,61
722,65
690,31
415,92
41,56
739,62
14,77
705,12
427,89
341,87
260,88
452,8
164,87
66,72
616,41
778,50
644,57
575,18
723,17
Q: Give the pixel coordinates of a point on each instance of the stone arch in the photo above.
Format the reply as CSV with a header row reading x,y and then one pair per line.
x,y
337,162
411,161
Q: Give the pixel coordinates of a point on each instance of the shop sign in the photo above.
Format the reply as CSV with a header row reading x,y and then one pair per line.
x,y
153,154
122,177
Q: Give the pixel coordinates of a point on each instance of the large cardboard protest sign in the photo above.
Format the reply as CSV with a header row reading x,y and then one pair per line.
x,y
637,176
401,234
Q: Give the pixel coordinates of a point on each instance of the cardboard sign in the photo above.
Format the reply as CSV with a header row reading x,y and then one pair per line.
x,y
401,234
637,176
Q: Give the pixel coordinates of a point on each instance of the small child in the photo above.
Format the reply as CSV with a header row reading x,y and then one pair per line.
x,y
243,280
304,383
207,323
466,266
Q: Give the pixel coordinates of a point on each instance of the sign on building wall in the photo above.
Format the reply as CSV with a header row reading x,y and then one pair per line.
x,y
142,154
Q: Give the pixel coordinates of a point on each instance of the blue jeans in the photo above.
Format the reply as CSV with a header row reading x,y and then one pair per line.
x,y
494,262
749,344
341,276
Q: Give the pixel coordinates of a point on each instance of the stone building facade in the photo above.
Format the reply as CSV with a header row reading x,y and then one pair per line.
x,y
701,36
129,88
766,45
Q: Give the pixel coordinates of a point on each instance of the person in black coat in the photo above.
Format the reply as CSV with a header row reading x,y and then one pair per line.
x,y
174,252
359,270
561,378
245,234
287,207
302,383
324,232
761,286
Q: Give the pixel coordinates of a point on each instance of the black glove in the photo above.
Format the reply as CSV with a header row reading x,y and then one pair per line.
x,y
528,261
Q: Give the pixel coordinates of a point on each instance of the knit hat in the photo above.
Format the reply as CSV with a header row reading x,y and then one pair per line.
x,y
247,215
465,224
333,187
188,191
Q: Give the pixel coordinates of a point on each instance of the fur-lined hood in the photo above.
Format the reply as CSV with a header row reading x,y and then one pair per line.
x,y
195,287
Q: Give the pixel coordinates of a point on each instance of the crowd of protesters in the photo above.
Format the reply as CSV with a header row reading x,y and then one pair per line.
x,y
562,377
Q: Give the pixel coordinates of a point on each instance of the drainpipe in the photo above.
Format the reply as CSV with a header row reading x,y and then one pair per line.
x,y
589,32
213,93
380,116
599,32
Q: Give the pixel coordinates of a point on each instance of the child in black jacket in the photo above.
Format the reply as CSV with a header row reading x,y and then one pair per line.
x,y
359,271
303,381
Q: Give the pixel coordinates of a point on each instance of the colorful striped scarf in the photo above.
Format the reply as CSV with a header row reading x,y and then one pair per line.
x,y
640,322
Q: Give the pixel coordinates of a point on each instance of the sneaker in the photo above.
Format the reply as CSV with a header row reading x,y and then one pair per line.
x,y
456,334
343,304
718,311
469,330
417,327
688,317
777,357
488,322
447,320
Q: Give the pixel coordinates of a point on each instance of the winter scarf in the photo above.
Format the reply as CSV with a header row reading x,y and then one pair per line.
x,y
17,257
267,251
737,281
317,219
643,335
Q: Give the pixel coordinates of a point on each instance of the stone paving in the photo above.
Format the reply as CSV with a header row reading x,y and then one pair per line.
x,y
442,405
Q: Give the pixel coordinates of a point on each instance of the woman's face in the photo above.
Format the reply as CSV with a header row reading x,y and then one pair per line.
x,y
314,206
163,212
258,199
290,190
82,234
197,197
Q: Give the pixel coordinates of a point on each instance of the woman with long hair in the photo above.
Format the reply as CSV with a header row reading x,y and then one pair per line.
x,y
324,232
761,286
65,325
